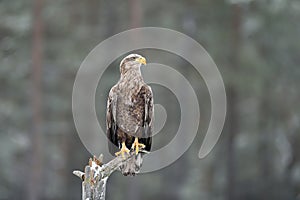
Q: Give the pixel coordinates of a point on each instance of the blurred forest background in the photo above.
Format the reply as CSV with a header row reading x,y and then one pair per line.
x,y
255,44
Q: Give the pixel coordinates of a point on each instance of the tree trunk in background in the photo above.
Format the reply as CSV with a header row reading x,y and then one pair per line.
x,y
232,106
264,147
93,14
231,154
135,8
35,156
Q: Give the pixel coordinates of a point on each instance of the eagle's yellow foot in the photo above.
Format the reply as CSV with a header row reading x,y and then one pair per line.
x,y
136,145
123,150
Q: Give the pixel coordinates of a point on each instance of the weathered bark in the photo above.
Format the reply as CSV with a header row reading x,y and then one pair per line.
x,y
96,173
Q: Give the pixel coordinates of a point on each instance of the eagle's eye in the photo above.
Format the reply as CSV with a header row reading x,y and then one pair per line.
x,y
134,57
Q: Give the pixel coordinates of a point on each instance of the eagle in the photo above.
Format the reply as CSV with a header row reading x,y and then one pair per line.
x,y
129,115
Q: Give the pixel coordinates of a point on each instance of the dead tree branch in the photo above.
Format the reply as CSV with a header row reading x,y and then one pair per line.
x,y
96,173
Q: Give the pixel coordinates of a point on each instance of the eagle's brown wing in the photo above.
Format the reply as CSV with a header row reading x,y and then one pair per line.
x,y
111,125
148,120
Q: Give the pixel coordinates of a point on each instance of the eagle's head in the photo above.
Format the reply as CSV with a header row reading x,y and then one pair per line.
x,y
132,62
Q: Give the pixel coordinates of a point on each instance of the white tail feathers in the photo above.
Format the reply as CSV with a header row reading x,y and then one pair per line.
x,y
132,165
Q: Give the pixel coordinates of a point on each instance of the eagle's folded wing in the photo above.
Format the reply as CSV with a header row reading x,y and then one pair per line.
x,y
148,121
111,125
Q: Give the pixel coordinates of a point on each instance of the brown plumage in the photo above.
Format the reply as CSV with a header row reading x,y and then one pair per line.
x,y
130,112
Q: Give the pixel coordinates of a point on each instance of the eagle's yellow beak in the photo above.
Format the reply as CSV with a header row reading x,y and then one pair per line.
x,y
142,60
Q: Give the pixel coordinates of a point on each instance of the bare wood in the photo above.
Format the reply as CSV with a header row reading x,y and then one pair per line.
x,y
96,173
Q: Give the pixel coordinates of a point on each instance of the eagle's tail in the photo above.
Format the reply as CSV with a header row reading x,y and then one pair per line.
x,y
132,165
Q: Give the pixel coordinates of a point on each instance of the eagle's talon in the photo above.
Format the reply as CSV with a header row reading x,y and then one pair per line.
x,y
136,145
123,150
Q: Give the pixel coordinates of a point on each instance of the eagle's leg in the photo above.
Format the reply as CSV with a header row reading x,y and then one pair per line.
x,y
136,145
123,150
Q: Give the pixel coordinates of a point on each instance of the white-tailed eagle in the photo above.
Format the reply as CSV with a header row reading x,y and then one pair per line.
x,y
129,115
